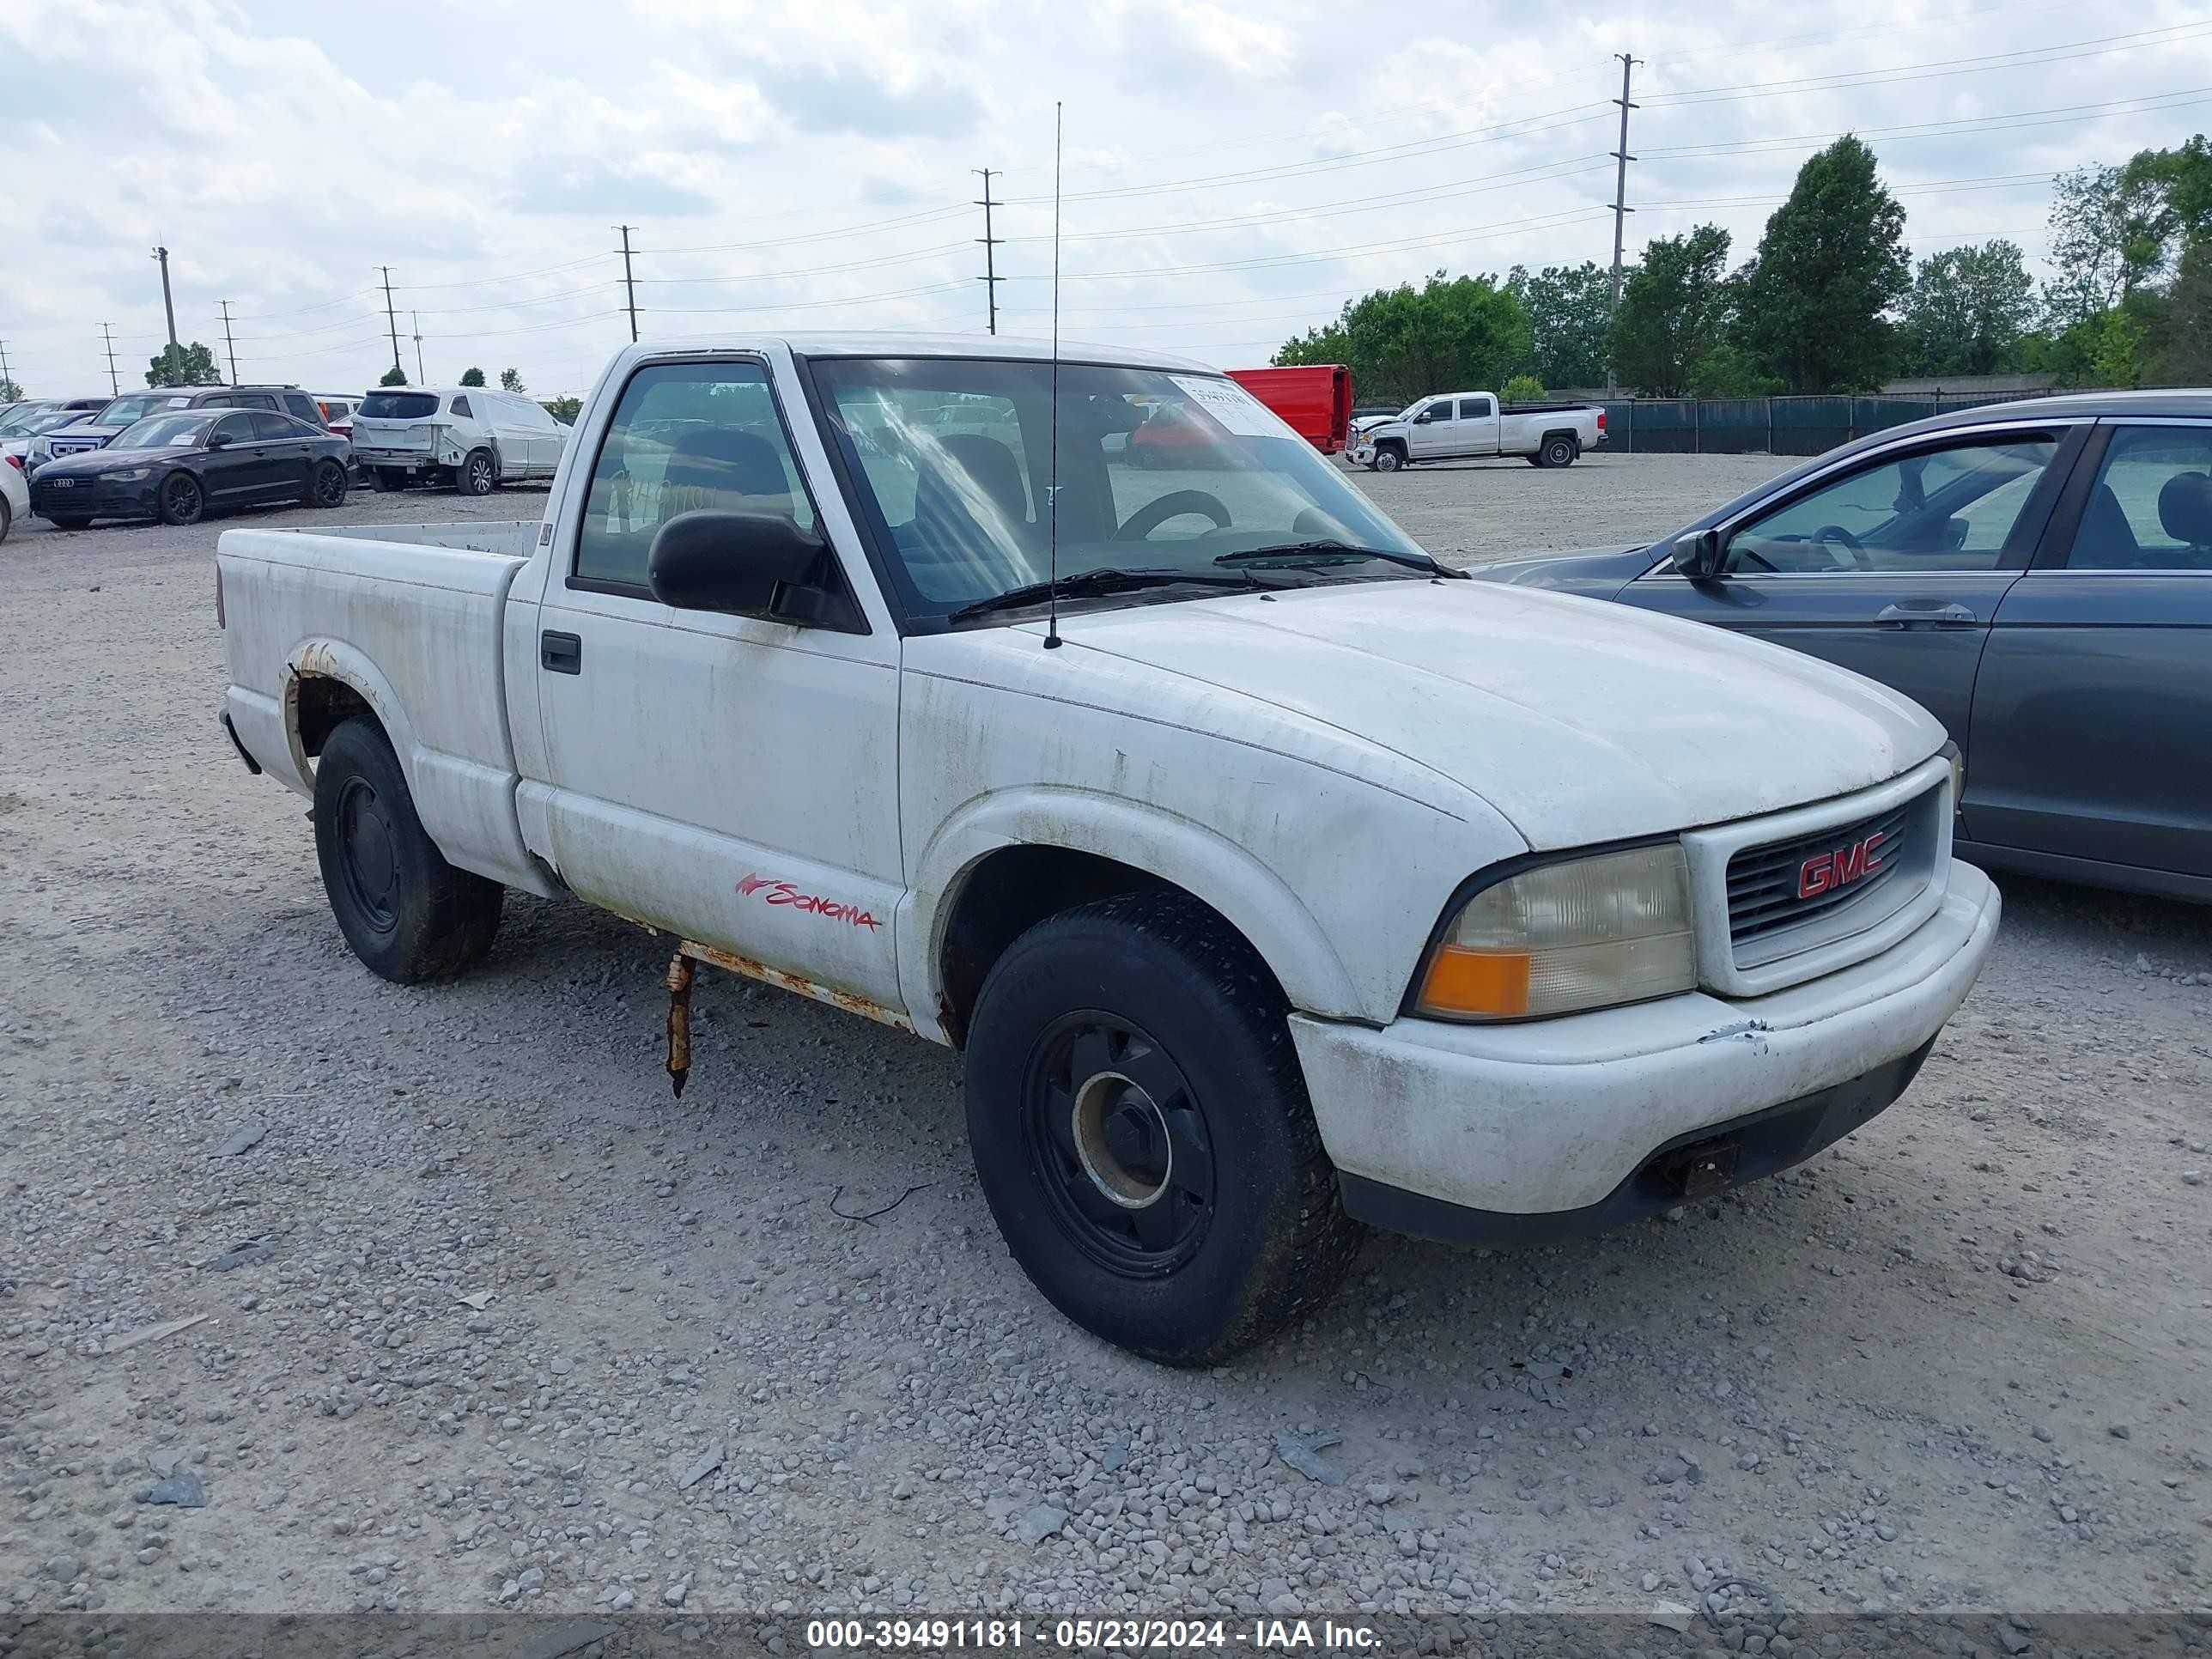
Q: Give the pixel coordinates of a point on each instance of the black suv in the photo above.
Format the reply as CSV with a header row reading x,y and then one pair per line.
x,y
95,431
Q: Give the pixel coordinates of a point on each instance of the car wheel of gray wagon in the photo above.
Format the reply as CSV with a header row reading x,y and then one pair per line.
x,y
1389,459
479,476
328,487
1142,1134
390,478
405,912
1558,452
181,500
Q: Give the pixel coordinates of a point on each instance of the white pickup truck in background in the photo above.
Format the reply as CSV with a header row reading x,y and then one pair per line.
x,y
1461,426
1283,881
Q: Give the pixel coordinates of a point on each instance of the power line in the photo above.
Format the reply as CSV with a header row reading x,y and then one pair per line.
x,y
990,278
2008,121
630,287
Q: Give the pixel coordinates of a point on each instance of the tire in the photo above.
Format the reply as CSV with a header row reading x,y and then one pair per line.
x,y
75,521
181,500
390,478
1132,1047
406,913
479,473
6,518
1558,450
326,486
1390,459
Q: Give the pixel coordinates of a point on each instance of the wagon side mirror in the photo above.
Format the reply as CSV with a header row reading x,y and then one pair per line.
x,y
1700,556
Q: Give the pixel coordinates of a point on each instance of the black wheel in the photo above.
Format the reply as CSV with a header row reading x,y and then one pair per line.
x,y
1389,459
390,478
327,488
1141,1132
181,500
407,913
7,518
479,475
1558,451
75,521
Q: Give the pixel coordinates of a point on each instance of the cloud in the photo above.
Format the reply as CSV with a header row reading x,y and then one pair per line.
x,y
594,188
834,98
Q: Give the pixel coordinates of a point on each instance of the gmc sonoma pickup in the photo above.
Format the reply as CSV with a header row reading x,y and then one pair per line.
x,y
1272,879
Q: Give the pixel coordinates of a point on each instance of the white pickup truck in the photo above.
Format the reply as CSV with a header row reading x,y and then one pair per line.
x,y
1276,882
1462,426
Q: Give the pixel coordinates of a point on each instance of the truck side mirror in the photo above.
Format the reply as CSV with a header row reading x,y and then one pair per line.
x,y
1700,556
1424,417
750,564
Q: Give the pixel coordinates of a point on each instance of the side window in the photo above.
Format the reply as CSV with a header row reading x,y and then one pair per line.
x,y
1440,410
248,400
2151,509
684,436
271,427
1474,409
299,406
1947,509
461,408
238,429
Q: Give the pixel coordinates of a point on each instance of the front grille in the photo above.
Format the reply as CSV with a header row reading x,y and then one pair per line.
x,y
58,447
1762,882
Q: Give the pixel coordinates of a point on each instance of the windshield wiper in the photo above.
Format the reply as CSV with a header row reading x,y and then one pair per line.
x,y
1109,579
1343,551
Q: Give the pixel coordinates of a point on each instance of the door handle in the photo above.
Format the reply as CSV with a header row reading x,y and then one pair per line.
x,y
559,653
1952,615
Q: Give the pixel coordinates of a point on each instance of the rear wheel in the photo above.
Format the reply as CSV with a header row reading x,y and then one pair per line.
x,y
181,500
1558,450
479,475
405,912
391,477
327,488
1141,1131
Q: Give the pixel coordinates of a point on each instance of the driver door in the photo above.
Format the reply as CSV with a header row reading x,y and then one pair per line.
x,y
1434,434
1891,567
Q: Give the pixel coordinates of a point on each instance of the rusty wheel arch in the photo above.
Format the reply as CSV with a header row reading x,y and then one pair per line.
x,y
317,705
1008,891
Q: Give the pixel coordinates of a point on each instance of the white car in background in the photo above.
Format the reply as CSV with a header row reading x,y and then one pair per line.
x,y
470,438
15,497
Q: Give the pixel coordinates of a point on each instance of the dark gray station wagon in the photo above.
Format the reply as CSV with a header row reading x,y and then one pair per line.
x,y
2037,575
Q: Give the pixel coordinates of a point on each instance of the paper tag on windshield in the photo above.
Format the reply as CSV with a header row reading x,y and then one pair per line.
x,y
180,403
1229,404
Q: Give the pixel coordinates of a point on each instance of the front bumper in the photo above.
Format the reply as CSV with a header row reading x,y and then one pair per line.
x,y
90,495
1573,1120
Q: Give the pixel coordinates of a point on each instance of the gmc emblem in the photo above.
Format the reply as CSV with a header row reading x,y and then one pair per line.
x,y
1826,872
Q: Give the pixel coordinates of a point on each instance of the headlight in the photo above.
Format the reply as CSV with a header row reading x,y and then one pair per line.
x,y
1583,932
132,474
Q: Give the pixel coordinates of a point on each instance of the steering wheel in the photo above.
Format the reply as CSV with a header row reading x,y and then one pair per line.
x,y
1835,533
1173,505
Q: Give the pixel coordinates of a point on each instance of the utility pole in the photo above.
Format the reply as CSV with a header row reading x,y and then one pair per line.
x,y
230,345
391,317
169,306
4,364
630,287
990,278
422,375
114,380
1621,159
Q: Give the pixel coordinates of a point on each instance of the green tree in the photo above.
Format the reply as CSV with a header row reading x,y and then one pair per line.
x,y
2188,359
1675,308
1569,307
1727,370
191,365
1403,343
1521,389
2104,240
472,377
10,392
1967,310
1832,261
394,375
510,379
563,409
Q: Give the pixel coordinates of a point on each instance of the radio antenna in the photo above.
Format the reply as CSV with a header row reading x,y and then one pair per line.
x,y
1052,489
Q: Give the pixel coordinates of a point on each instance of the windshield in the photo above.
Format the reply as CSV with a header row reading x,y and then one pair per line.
x,y
398,405
137,406
953,461
163,432
51,420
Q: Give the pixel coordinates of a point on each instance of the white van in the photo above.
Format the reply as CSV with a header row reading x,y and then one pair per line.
x,y
473,438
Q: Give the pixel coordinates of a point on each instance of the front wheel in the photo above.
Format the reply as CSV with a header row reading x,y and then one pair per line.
x,y
1389,461
479,475
181,500
405,912
328,486
1141,1131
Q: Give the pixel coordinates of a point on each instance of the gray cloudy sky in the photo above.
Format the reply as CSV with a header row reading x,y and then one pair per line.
x,y
1234,170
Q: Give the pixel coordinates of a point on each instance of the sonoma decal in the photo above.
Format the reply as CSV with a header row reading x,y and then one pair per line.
x,y
771,891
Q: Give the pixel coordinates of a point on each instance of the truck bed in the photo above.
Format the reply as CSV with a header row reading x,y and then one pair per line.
x,y
408,622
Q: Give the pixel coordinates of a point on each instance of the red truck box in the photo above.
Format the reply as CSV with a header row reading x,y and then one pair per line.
x,y
1314,401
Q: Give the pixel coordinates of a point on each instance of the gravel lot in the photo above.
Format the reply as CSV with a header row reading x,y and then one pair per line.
x,y
486,1319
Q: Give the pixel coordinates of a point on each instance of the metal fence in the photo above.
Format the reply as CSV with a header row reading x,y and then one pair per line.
x,y
1770,426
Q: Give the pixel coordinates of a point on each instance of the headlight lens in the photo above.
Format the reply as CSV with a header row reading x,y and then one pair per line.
x,y
1580,934
132,474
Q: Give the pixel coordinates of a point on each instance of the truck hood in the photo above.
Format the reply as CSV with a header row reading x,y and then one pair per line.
x,y
1577,721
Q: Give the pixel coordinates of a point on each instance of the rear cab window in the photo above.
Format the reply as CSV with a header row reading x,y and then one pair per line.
x,y
684,436
2151,507
398,406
